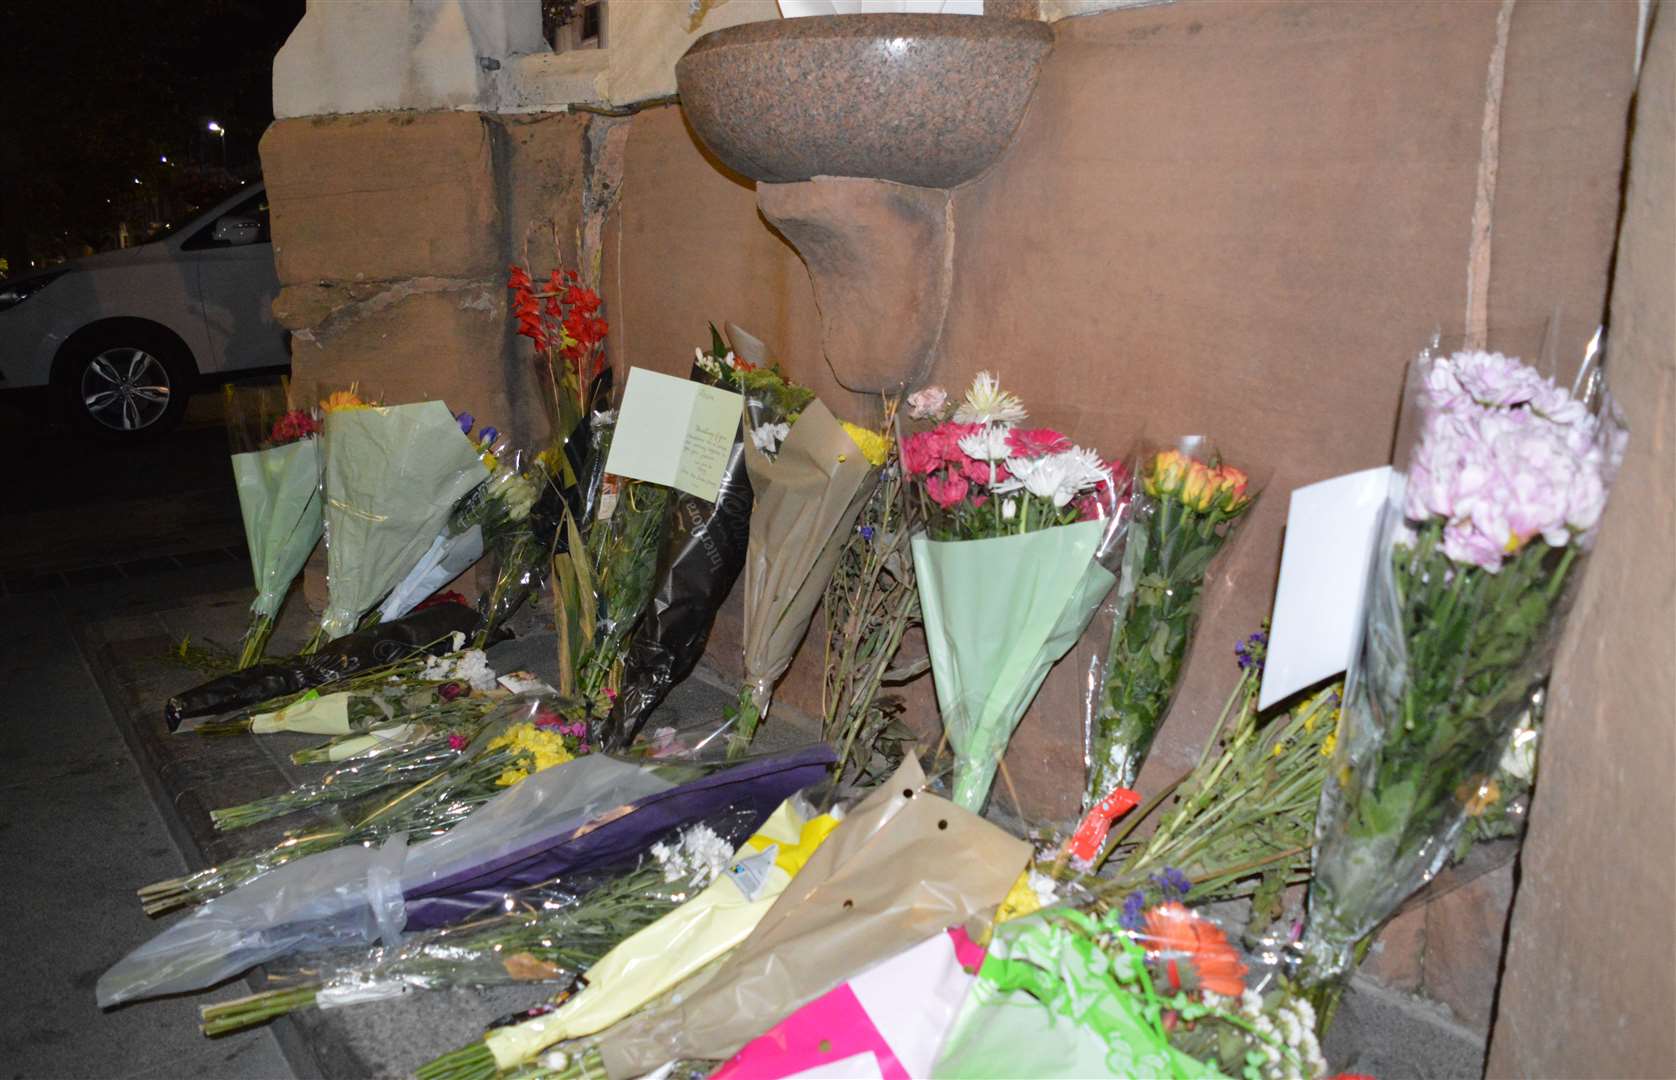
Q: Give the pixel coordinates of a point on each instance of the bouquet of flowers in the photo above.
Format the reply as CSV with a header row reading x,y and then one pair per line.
x,y
561,318
551,932
1242,820
810,475
351,662
997,497
362,700
871,604
484,519
530,735
392,474
659,957
449,724
702,552
1481,541
1184,514
276,467
1062,993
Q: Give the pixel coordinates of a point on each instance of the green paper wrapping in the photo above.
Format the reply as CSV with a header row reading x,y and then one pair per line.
x,y
1046,1004
279,499
998,614
392,473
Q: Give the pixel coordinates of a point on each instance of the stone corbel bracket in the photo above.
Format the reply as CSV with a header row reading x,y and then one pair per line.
x,y
881,258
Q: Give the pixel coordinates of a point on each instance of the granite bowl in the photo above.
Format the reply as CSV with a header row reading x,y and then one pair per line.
x,y
928,100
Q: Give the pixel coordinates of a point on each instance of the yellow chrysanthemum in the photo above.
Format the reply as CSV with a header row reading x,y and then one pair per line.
x,y
544,749
342,400
872,445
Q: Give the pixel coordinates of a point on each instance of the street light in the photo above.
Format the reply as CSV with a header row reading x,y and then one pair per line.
x,y
220,133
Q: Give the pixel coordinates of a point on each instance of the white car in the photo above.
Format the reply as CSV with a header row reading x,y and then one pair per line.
x,y
124,337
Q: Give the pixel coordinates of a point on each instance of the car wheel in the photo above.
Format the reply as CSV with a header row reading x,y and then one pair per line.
x,y
126,385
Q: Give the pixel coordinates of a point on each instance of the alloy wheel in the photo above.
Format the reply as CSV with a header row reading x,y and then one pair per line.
x,y
125,389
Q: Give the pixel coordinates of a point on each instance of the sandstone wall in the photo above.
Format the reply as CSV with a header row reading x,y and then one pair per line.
x,y
1590,980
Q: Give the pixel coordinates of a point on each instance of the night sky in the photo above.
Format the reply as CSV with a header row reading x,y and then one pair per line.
x,y
94,94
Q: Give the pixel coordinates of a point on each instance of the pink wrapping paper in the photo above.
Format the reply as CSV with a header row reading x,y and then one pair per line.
x,y
887,1022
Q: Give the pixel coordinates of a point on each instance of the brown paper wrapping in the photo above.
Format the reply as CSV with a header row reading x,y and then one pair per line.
x,y
904,866
807,500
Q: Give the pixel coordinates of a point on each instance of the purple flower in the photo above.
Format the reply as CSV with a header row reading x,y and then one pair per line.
x,y
1172,884
866,533
1251,652
1504,456
488,435
1134,909
467,422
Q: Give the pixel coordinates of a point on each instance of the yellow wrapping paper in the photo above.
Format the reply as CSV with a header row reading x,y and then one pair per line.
x,y
324,715
652,961
904,866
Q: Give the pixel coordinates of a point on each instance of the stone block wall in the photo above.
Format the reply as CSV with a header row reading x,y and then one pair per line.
x,y
1590,983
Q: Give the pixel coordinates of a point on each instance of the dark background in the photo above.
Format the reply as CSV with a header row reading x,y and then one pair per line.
x,y
94,93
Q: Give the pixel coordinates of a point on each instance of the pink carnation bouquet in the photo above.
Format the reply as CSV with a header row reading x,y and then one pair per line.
x,y
1020,531
1481,544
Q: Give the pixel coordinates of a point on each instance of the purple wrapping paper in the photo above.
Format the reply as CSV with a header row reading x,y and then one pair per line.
x,y
760,784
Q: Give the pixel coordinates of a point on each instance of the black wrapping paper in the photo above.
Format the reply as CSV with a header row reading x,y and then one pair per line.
x,y
429,629
700,559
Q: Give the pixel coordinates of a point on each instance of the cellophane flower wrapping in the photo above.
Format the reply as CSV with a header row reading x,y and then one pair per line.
x,y
587,812
276,469
487,518
1019,534
645,966
701,554
391,474
809,478
547,933
1186,507
1501,480
1062,993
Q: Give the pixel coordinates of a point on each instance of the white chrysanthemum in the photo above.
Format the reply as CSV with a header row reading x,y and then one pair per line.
x,y
768,437
473,668
707,854
1060,477
987,444
987,403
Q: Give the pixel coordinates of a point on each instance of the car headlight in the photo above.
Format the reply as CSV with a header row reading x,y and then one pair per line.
x,y
13,293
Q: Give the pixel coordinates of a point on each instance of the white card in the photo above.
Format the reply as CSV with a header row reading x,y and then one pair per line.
x,y
674,432
1330,532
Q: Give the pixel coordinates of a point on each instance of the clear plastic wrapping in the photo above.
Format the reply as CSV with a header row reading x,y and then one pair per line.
x,y
1186,507
1063,993
1500,482
276,468
591,812
483,767
702,552
551,932
448,726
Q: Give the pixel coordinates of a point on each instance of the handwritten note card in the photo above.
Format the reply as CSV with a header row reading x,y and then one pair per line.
x,y
675,432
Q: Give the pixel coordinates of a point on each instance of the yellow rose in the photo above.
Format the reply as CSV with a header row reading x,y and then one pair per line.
x,y
1198,490
1169,468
